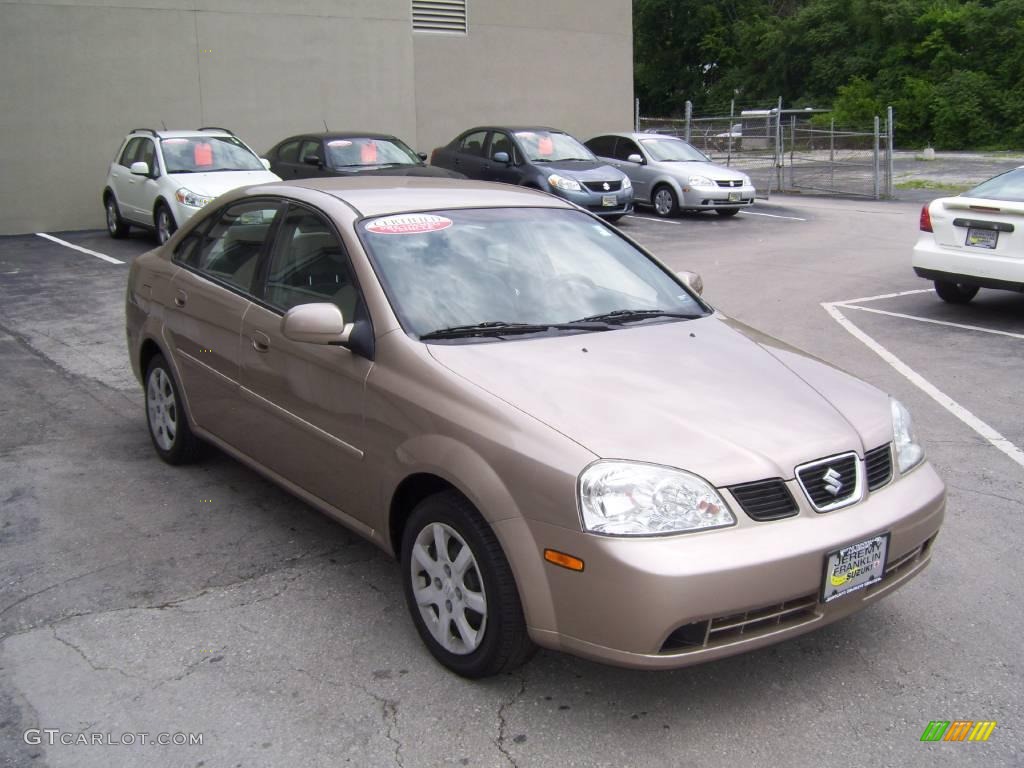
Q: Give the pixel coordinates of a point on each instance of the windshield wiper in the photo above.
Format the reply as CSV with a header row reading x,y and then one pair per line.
x,y
632,315
501,328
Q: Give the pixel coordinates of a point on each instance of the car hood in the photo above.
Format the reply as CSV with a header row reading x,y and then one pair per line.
x,y
218,182
711,170
710,396
582,170
404,170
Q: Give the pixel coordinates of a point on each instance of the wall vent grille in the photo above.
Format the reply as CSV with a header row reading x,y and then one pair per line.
x,y
439,16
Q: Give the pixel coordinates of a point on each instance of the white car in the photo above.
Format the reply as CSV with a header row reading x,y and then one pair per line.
x,y
974,240
159,179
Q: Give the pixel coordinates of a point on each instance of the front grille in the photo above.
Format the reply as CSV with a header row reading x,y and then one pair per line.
x,y
765,500
725,630
599,186
730,183
878,467
831,483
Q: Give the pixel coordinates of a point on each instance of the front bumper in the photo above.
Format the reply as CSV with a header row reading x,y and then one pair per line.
x,y
967,266
748,586
595,201
712,198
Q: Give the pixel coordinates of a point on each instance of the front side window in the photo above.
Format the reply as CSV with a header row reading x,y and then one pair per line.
x,y
514,265
147,154
1006,186
128,154
625,148
603,146
354,152
229,250
203,154
665,150
308,265
551,146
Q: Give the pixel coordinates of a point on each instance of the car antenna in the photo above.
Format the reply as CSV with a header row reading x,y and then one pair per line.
x,y
326,129
163,124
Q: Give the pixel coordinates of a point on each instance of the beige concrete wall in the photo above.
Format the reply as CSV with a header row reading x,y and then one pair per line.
x,y
567,64
77,75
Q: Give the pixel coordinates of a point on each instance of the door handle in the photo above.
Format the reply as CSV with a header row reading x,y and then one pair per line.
x,y
260,342
180,299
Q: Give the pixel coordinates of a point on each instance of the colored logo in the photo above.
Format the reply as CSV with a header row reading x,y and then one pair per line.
x,y
958,730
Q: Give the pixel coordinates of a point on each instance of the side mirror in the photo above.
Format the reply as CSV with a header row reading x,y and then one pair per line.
x,y
140,168
635,158
320,323
312,160
422,156
693,281
266,163
501,157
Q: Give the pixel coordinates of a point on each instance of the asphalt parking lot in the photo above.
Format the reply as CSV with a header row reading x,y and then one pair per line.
x,y
141,598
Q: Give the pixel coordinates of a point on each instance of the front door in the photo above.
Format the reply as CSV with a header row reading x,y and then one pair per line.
x,y
304,402
509,173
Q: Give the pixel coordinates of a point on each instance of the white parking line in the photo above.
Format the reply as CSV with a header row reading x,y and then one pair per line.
x,y
74,247
651,218
987,432
771,215
865,299
846,305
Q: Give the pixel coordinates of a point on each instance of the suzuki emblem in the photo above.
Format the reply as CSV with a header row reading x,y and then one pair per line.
x,y
833,481
607,186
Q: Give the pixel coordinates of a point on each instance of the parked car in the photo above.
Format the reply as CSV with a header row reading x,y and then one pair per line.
x,y
311,155
671,176
560,440
974,240
540,158
159,179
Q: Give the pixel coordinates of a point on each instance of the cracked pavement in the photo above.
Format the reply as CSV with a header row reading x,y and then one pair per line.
x,y
127,605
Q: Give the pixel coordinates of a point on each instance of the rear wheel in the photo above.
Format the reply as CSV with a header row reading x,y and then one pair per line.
x,y
955,293
665,202
165,225
168,425
460,590
727,212
116,226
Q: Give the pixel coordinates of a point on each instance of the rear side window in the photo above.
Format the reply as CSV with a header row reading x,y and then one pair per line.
x,y
230,248
473,143
289,153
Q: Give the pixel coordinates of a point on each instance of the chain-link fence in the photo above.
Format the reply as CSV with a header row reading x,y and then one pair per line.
x,y
788,151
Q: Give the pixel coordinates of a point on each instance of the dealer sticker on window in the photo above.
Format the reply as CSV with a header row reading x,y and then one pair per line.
x,y
408,224
854,567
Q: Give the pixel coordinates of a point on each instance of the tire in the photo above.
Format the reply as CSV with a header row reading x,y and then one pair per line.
x,y
613,219
492,637
727,212
165,224
955,293
116,226
665,202
166,418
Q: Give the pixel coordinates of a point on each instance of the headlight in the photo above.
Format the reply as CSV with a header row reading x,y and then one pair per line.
x,y
191,199
746,181
908,453
626,183
623,498
700,181
561,182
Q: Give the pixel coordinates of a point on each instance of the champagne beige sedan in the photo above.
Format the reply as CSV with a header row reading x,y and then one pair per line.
x,y
562,443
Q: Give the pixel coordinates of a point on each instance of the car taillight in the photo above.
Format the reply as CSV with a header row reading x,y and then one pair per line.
x,y
926,219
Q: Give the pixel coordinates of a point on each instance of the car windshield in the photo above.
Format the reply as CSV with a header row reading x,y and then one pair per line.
x,y
202,154
502,267
668,150
350,152
551,146
1007,186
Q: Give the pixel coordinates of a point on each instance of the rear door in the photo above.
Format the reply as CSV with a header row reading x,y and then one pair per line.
x,y
304,402
209,296
468,157
284,160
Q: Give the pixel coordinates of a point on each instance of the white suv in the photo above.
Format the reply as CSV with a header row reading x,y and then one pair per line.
x,y
160,178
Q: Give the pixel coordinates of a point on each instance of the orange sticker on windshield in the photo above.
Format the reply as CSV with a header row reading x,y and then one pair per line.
x,y
203,154
368,152
408,224
545,146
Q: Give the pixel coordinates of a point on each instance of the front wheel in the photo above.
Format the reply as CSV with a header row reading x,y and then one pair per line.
x,y
165,224
955,293
727,212
460,590
665,202
168,425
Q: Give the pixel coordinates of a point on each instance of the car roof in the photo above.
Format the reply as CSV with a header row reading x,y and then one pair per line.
x,y
318,135
513,128
637,136
180,134
383,195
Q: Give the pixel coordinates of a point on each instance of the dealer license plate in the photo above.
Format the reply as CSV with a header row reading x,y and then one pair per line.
x,y
734,197
854,567
982,238
609,201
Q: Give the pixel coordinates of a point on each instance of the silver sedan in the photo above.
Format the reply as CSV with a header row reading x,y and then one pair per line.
x,y
671,176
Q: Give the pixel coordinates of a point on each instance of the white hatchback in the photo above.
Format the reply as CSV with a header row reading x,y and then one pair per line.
x,y
159,179
974,240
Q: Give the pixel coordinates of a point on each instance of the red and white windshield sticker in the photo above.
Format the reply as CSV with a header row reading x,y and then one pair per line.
x,y
408,224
